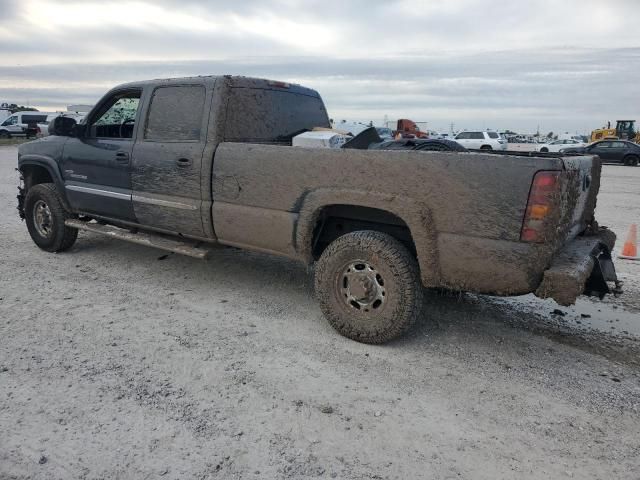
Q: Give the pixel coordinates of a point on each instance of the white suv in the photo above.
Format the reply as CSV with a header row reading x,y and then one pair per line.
x,y
481,140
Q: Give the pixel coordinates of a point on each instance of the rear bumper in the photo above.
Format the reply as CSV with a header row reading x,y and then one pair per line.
x,y
582,266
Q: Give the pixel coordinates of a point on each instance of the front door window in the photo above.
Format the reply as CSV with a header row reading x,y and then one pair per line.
x,y
117,117
10,121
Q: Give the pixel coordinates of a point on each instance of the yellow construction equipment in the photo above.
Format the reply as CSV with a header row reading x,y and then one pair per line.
x,y
625,130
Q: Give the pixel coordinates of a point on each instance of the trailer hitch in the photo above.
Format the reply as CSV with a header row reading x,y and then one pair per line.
x,y
603,272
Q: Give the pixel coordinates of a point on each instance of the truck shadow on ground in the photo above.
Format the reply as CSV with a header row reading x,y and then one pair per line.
x,y
276,284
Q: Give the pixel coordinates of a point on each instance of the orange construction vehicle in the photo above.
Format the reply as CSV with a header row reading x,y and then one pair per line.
x,y
625,130
408,129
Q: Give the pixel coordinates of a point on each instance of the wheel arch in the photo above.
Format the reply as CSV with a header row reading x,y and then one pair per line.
x,y
370,209
627,159
36,169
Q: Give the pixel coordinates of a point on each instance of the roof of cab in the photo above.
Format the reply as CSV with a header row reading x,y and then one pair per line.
x,y
234,82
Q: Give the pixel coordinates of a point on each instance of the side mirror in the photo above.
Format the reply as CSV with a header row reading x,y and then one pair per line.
x,y
63,127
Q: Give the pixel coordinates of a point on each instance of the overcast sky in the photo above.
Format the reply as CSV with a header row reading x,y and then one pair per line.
x,y
562,65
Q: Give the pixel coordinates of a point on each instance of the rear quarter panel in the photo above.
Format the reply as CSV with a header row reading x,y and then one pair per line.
x,y
465,210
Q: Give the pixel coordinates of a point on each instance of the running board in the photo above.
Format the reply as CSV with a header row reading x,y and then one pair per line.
x,y
166,243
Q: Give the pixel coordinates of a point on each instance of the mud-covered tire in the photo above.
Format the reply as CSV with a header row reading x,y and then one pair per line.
x,y
43,200
398,285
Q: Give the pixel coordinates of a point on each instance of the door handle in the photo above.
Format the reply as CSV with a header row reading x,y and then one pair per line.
x,y
183,162
122,157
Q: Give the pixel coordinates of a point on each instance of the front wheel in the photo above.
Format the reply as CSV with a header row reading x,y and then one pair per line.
x,y
368,286
486,147
544,150
45,215
631,160
4,134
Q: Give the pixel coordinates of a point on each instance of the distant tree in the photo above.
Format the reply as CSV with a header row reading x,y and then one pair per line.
x,y
13,108
510,132
550,135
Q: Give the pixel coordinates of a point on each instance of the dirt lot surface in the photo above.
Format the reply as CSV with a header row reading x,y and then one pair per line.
x,y
119,362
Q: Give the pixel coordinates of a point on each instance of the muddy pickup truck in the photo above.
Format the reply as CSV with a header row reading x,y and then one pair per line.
x,y
184,164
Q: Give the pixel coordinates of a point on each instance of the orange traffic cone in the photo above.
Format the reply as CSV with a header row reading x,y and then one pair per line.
x,y
630,249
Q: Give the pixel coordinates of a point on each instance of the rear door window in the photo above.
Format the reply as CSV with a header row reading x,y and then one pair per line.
x,y
271,116
175,114
493,135
31,118
477,135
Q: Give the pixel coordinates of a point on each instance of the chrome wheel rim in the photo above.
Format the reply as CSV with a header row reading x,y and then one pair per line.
x,y
362,287
42,218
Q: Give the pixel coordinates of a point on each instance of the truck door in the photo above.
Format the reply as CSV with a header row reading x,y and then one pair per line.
x,y
167,160
96,166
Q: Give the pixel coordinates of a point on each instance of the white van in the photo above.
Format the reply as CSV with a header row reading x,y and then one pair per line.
x,y
22,124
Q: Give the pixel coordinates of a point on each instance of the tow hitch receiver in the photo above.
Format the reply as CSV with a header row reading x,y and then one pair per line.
x,y
603,272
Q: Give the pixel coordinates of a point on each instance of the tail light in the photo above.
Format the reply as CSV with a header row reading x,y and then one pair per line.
x,y
539,206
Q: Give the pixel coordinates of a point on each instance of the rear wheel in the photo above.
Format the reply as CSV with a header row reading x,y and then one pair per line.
x,y
368,286
631,160
544,150
4,134
45,215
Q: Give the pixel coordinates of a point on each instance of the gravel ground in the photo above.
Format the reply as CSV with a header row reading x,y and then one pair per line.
x,y
117,364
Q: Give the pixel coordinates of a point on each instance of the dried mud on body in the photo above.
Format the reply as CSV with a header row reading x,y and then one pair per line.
x,y
116,365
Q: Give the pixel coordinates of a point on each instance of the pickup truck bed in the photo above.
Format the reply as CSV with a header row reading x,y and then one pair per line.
x,y
379,224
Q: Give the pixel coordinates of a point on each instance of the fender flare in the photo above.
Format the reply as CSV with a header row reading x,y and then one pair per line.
x,y
51,166
416,215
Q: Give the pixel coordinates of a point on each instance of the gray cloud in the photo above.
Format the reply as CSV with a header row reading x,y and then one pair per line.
x,y
470,62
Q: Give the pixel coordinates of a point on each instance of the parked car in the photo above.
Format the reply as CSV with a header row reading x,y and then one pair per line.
x,y
481,140
621,151
558,145
181,163
22,124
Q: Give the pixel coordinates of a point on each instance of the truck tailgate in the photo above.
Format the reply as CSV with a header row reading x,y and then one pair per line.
x,y
582,260
580,194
